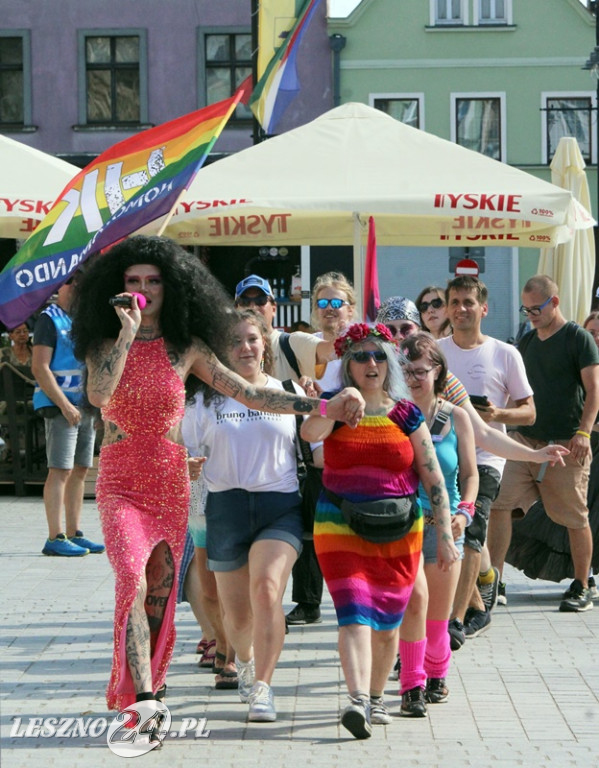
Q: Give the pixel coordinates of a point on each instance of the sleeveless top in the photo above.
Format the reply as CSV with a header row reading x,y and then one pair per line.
x,y
136,406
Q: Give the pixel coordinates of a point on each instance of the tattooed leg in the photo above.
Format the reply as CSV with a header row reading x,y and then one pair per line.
x,y
138,643
160,573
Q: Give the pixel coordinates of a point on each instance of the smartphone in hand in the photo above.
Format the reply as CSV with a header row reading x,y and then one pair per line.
x,y
480,401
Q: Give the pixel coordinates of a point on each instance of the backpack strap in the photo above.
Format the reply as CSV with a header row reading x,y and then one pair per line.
x,y
304,452
288,352
440,421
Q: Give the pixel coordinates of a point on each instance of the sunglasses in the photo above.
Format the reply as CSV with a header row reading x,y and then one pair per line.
x,y
334,303
435,304
364,355
535,311
69,281
401,330
258,301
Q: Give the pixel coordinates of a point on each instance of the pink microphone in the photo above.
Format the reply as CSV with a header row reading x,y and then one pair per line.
x,y
125,301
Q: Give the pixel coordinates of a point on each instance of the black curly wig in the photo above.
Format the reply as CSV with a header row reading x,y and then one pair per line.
x,y
195,303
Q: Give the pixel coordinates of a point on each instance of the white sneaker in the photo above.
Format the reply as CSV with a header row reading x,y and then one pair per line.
x,y
379,714
262,704
356,718
245,675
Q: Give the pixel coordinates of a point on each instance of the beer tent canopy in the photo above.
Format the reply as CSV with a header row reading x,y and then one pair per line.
x,y
319,183
30,181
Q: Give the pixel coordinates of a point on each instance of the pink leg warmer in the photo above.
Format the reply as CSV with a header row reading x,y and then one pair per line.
x,y
438,651
412,673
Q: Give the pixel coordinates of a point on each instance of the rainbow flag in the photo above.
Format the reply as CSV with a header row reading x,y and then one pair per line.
x,y
128,186
281,26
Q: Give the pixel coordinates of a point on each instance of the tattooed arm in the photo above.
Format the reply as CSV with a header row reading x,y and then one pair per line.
x,y
429,471
347,406
105,364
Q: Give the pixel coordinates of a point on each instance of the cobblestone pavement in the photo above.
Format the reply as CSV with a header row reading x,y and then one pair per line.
x,y
525,693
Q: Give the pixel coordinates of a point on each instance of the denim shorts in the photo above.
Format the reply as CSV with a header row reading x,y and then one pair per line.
x,y
429,543
66,446
235,519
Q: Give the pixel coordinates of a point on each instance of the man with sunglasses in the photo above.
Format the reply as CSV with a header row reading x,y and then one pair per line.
x,y
304,350
493,369
69,428
562,364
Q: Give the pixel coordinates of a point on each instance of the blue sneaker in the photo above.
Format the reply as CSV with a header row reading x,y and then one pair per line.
x,y
80,540
63,547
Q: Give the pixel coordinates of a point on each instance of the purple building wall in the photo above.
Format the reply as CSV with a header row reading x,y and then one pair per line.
x,y
175,75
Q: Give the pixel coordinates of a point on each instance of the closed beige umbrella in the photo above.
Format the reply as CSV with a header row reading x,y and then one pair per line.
x,y
571,264
30,181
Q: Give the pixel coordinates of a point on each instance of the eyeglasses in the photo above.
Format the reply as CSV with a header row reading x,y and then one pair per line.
x,y
419,374
435,304
364,356
535,311
402,330
335,303
258,301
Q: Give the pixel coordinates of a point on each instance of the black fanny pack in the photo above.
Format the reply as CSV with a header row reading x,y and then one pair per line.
x,y
378,521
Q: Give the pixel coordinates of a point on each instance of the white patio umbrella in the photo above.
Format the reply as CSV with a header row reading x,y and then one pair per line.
x,y
571,264
311,185
30,181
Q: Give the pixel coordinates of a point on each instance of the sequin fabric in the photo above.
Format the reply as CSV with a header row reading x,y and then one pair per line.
x,y
142,493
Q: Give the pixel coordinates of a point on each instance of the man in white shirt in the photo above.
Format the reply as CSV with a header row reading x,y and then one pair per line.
x,y
491,369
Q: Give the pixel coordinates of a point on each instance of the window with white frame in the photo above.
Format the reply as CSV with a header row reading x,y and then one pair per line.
x,y
448,12
407,108
569,116
477,122
12,84
112,79
492,11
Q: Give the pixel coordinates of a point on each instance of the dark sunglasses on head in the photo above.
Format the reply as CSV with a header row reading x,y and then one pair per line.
x,y
335,303
258,301
402,330
364,355
435,304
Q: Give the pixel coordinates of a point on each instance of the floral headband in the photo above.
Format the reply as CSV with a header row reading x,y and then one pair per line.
x,y
361,332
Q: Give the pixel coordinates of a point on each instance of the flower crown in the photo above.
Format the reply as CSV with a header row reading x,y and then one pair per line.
x,y
361,332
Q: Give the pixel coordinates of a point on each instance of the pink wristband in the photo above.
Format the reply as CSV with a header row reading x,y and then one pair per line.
x,y
323,408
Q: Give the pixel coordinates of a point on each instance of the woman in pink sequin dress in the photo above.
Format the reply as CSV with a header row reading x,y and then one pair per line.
x,y
139,364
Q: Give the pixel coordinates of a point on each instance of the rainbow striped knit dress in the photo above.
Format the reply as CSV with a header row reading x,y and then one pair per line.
x,y
370,583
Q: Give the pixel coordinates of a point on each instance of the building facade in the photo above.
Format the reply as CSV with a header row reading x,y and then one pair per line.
x,y
502,77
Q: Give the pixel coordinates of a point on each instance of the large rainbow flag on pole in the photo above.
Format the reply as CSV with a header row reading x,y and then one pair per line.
x,y
128,186
281,26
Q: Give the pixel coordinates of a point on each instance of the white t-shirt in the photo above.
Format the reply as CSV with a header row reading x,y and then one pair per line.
x,y
494,369
304,346
245,448
331,380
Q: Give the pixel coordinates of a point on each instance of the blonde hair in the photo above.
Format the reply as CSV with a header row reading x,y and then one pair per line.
x,y
339,282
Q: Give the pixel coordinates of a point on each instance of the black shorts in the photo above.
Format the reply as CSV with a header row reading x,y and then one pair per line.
x,y
489,481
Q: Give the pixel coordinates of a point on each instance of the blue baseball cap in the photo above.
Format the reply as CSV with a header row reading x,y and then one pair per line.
x,y
254,281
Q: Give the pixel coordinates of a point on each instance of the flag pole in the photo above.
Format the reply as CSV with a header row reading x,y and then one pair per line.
x,y
257,132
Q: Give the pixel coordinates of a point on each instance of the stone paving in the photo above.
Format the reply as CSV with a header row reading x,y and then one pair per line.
x,y
525,693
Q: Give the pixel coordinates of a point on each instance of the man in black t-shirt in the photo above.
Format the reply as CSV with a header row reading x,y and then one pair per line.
x,y
562,366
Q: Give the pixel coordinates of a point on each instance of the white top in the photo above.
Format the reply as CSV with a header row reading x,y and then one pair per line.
x,y
494,369
245,449
304,346
331,380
